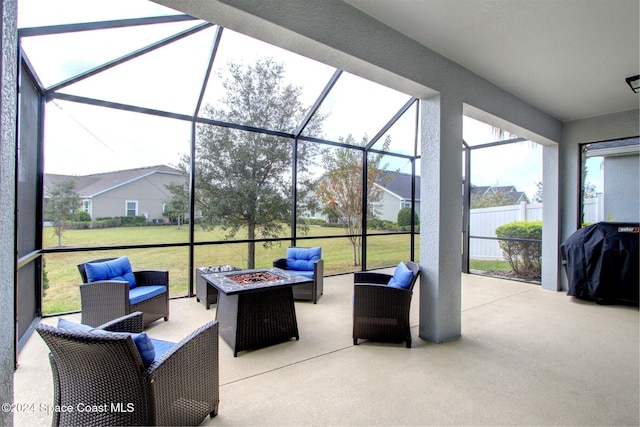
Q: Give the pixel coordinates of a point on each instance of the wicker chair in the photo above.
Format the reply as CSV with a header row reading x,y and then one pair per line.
x,y
102,301
308,292
105,376
381,312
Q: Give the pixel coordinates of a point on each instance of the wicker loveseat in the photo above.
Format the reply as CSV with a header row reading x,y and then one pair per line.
x,y
104,298
305,262
104,378
381,307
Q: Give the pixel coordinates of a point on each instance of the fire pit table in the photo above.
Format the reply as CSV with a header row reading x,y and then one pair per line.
x,y
205,292
255,307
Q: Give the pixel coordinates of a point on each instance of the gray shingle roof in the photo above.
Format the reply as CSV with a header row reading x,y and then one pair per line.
x,y
90,185
399,184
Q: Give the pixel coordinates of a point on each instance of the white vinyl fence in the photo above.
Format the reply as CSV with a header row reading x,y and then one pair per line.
x,y
484,221
594,209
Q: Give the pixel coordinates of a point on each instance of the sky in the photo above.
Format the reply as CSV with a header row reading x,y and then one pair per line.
x,y
82,140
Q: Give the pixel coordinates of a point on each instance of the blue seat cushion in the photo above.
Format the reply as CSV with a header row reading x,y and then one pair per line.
x,y
115,269
161,347
305,273
143,343
142,293
401,277
302,258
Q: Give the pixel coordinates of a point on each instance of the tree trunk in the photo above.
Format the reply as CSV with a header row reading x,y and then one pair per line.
x,y
59,234
355,259
355,245
251,247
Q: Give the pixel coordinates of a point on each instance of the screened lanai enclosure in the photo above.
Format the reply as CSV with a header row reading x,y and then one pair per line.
x,y
179,143
183,144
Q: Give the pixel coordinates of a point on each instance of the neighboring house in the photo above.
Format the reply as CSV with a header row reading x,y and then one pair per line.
x,y
396,194
510,190
129,192
396,189
621,178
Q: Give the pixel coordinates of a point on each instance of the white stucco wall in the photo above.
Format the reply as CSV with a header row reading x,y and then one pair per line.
x,y
8,107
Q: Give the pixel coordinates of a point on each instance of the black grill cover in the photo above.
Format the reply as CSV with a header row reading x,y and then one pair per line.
x,y
601,262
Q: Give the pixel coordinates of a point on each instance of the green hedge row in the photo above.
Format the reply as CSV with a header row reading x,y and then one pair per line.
x,y
109,222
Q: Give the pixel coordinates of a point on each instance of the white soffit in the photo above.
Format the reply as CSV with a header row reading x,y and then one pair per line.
x,y
568,58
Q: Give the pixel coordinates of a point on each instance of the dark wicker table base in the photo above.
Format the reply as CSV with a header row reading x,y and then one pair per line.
x,y
257,319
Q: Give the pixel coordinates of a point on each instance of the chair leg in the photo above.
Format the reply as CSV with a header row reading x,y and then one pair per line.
x,y
355,341
409,343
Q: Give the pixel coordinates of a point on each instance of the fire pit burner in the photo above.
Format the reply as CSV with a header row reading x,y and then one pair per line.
x,y
251,278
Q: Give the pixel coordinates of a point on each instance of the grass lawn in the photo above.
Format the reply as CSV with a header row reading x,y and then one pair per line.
x,y
63,295
489,265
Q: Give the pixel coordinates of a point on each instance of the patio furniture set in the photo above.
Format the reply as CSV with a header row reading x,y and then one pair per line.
x,y
109,363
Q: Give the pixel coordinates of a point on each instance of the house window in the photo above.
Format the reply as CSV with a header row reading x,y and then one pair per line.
x,y
406,205
86,206
131,208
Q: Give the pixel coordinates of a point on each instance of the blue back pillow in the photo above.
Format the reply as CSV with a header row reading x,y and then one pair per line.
x,y
401,277
115,269
302,258
143,343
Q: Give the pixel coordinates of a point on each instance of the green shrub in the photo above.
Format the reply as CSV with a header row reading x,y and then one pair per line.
x,y
404,218
106,223
79,225
523,256
381,224
311,221
82,216
133,221
98,223
332,225
45,278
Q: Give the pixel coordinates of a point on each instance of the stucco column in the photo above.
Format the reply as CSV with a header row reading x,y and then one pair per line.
x,y
8,106
441,219
551,218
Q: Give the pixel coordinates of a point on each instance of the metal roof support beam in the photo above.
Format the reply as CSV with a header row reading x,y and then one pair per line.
x,y
212,57
102,25
332,81
391,122
129,56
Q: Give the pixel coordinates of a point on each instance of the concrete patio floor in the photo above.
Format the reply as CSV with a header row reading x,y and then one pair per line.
x,y
526,357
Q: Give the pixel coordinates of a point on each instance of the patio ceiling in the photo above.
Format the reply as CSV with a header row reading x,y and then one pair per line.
x,y
568,58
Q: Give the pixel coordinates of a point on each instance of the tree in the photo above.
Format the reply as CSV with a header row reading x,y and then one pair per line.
x,y
340,189
491,199
243,178
589,190
537,198
60,207
177,207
